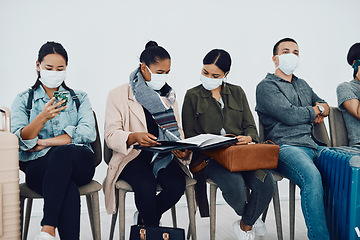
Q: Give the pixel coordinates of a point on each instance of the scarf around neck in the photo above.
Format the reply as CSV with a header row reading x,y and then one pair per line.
x,y
161,109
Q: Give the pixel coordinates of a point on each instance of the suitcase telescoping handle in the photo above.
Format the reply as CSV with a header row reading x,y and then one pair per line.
x,y
5,119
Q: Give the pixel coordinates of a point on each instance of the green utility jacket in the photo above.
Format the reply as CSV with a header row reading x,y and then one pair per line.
x,y
201,113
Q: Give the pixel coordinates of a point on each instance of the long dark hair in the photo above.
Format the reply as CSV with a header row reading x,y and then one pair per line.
x,y
50,48
153,53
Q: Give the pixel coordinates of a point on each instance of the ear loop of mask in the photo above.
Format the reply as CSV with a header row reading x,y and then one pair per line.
x,y
146,67
225,78
149,69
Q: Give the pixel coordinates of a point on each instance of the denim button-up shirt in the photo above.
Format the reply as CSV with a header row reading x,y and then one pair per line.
x,y
78,124
285,110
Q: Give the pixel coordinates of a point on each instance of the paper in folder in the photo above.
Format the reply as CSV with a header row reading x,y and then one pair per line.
x,y
201,142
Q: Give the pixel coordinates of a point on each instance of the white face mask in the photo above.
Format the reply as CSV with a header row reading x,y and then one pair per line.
x,y
288,63
157,80
210,83
52,79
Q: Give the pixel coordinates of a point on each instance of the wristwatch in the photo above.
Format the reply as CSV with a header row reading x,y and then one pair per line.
x,y
321,109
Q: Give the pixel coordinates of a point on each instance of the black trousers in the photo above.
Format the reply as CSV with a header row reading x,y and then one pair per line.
x,y
56,176
138,173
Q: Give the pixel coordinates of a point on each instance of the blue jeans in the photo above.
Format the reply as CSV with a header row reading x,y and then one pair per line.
x,y
233,186
297,164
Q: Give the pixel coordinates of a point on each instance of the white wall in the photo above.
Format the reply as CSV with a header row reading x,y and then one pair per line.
x,y
105,38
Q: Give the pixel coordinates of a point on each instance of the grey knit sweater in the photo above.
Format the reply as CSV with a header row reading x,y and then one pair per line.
x,y
285,110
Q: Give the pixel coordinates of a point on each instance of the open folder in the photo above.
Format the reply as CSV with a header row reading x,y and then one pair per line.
x,y
200,142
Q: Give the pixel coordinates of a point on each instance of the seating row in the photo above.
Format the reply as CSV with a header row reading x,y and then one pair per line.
x,y
338,137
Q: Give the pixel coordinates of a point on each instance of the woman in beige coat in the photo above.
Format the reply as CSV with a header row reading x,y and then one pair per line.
x,y
142,112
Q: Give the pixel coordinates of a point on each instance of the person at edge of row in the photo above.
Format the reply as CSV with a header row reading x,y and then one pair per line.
x,y
141,112
288,108
348,96
55,152
218,107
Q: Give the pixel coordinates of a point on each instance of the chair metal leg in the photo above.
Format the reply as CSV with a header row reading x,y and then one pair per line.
x,y
122,195
114,216
173,214
91,216
277,210
22,201
27,217
94,214
190,197
292,209
213,189
188,232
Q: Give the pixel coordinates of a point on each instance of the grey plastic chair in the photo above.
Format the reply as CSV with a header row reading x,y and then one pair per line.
x,y
122,187
90,190
321,134
338,131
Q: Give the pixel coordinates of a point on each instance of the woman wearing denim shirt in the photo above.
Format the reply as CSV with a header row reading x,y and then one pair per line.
x,y
54,141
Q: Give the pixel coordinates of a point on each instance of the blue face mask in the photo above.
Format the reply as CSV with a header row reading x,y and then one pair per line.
x,y
356,65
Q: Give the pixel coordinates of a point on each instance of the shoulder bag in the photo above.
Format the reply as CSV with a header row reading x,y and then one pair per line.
x,y
247,157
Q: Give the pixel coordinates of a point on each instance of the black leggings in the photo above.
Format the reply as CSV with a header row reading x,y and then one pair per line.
x,y
138,173
56,176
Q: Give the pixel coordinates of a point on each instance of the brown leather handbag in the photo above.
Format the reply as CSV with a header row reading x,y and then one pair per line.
x,y
247,157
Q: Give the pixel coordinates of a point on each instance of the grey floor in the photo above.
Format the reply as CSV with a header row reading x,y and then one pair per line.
x,y
225,217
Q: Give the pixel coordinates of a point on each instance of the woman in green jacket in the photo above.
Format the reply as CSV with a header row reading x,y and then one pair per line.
x,y
218,107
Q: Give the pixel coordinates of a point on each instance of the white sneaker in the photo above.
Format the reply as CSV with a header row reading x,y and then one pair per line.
x,y
259,227
242,235
136,217
44,236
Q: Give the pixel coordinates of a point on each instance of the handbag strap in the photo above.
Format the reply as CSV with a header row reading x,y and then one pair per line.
x,y
199,164
270,142
229,135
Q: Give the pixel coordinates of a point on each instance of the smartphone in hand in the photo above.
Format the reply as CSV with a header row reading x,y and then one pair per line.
x,y
61,95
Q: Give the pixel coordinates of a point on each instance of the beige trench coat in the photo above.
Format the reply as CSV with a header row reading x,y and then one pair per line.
x,y
123,116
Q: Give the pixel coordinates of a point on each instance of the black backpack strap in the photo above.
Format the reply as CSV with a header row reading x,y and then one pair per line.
x,y
75,99
29,102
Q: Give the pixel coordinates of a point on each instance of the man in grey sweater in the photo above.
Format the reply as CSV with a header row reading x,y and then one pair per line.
x,y
288,108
